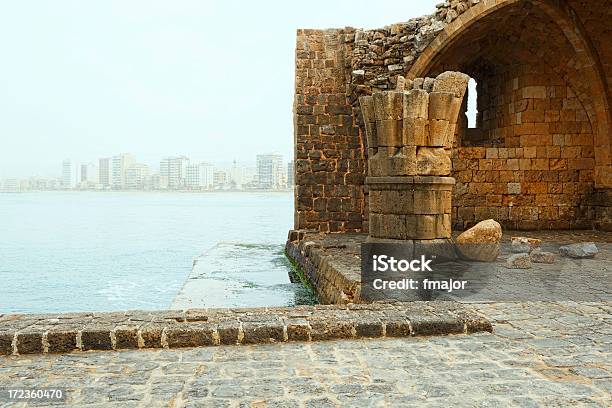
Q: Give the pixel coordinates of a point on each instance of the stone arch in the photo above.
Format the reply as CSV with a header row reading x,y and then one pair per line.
x,y
581,69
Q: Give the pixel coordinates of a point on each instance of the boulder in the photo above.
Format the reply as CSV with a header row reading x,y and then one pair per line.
x,y
481,242
518,261
579,250
539,256
524,244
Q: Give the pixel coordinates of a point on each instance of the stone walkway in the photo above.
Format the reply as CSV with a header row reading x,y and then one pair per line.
x,y
540,354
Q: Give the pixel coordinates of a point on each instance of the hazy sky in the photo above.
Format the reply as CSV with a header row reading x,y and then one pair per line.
x,y
209,79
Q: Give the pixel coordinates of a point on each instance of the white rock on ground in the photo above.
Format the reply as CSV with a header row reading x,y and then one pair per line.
x,y
481,242
524,244
579,250
539,256
518,261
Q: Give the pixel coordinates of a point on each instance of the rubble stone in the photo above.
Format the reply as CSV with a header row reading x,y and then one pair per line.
x,y
518,261
539,256
481,242
579,250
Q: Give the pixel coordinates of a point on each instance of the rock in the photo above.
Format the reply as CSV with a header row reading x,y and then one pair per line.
x,y
539,256
481,242
524,244
518,261
579,250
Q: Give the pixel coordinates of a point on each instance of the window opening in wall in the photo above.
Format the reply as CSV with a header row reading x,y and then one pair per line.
x,y
472,108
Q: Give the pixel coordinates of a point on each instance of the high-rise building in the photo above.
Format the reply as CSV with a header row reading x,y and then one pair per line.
x,y
219,179
290,174
158,182
83,178
192,176
175,169
67,174
10,185
120,164
136,176
236,176
207,175
270,171
104,172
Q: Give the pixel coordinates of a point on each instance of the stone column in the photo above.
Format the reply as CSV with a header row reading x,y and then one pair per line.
x,y
410,135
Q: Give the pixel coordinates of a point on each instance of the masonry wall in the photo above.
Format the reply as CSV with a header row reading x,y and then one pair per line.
x,y
329,156
534,165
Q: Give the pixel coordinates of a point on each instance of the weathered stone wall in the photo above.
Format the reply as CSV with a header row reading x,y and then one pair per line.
x,y
542,144
534,167
329,158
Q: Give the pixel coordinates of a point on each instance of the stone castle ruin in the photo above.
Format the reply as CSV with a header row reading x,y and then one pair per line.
x,y
382,143
409,135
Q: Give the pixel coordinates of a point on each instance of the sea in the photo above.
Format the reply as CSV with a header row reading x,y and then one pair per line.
x,y
72,251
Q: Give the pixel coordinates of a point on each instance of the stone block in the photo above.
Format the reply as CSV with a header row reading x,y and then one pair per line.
x,y
398,202
440,106
397,328
298,330
375,225
371,136
415,132
427,201
428,84
455,110
443,226
29,342
126,337
388,105
266,332
433,162
96,338
151,335
447,201
514,188
416,104
61,341
439,133
389,132
330,330
435,325
229,332
376,202
378,164
403,162
425,227
6,343
393,226
453,82
191,335
365,327
367,109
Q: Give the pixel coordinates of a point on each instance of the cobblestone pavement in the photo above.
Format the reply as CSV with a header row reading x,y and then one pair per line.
x,y
540,354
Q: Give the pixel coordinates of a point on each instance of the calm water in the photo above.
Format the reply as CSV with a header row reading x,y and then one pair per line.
x,y
77,251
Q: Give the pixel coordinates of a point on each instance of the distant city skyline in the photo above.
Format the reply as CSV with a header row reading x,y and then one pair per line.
x,y
85,79
123,171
